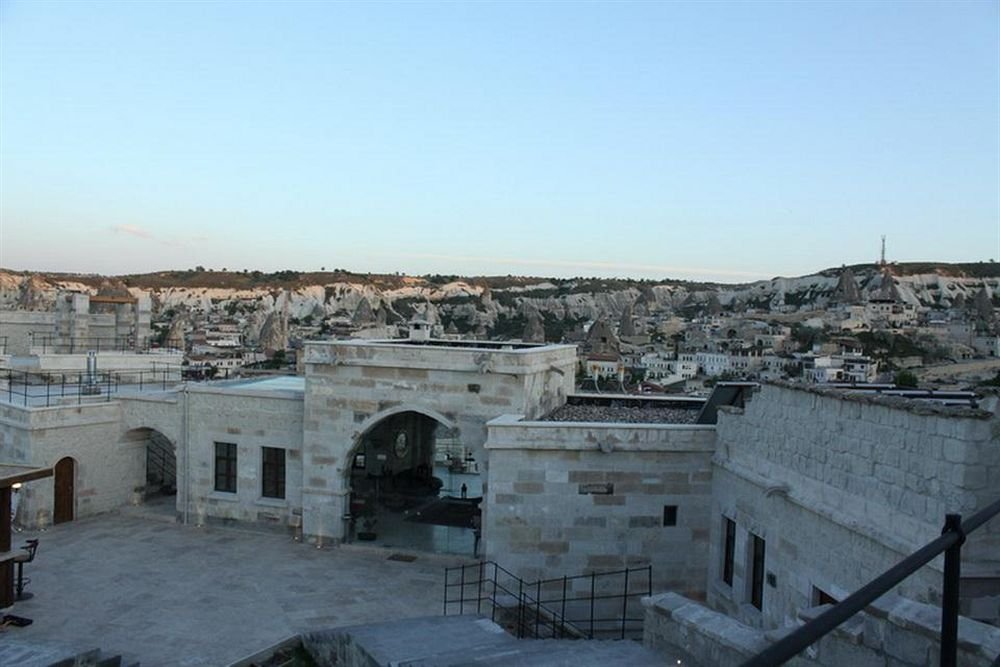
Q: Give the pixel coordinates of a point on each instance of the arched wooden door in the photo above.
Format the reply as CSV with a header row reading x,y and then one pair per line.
x,y
65,492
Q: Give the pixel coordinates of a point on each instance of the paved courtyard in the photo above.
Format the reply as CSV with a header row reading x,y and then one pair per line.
x,y
167,594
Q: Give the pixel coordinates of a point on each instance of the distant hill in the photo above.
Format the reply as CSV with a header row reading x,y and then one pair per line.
x,y
496,306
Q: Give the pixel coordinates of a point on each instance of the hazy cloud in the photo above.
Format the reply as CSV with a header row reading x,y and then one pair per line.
x,y
132,230
624,268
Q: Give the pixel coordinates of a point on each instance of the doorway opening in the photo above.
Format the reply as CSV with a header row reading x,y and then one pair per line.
x,y
414,485
64,504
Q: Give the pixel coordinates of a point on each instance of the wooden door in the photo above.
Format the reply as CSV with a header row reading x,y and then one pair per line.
x,y
65,476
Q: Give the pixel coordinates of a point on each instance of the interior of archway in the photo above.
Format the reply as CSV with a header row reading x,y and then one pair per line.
x,y
414,486
156,488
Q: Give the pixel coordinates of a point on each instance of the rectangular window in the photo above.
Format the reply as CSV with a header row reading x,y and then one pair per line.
x,y
728,549
273,472
670,515
757,570
225,467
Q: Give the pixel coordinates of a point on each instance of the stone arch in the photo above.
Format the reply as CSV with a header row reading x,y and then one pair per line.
x,y
154,469
376,419
403,486
149,470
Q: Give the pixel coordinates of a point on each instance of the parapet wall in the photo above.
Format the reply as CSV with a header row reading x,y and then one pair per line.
x,y
568,498
888,467
820,475
892,631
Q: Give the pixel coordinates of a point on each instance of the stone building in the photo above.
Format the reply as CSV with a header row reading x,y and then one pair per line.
x,y
793,500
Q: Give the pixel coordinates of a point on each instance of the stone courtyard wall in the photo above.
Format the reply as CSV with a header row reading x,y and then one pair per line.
x,y
107,469
568,498
251,419
352,385
841,488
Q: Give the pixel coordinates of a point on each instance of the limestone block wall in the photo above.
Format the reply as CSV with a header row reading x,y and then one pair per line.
x,y
571,498
352,385
17,325
841,488
106,467
892,631
251,420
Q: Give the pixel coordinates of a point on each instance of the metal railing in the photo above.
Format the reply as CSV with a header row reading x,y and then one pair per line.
x,y
54,344
47,388
586,606
949,543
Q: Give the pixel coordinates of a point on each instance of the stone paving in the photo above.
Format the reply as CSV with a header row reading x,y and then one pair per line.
x,y
167,594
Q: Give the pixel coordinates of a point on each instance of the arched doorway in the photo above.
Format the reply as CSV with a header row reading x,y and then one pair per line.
x,y
64,503
413,485
154,471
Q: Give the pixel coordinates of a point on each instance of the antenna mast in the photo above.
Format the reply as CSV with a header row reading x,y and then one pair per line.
x,y
882,259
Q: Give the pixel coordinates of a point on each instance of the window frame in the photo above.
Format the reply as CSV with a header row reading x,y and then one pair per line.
x,y
272,473
728,550
226,467
758,550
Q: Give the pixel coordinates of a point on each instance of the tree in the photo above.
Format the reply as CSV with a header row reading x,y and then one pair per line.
x,y
905,378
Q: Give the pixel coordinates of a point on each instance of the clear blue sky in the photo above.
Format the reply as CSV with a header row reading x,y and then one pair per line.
x,y
714,140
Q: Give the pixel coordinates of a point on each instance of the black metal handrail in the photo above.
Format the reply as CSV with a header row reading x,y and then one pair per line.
x,y
45,388
55,344
950,543
548,615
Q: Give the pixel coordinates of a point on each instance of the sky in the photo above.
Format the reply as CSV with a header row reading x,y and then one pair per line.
x,y
700,141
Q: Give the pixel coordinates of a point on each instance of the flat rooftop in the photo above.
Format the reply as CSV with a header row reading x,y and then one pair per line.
x,y
274,383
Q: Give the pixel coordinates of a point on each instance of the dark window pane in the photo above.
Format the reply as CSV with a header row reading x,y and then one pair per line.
x,y
225,467
729,549
273,472
757,582
670,515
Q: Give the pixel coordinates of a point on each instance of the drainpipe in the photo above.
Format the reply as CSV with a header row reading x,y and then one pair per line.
x,y
187,457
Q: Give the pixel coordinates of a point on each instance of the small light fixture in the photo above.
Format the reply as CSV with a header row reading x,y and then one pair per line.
x,y
16,486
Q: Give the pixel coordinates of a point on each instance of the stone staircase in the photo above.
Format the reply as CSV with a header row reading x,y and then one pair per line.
x,y
27,653
454,641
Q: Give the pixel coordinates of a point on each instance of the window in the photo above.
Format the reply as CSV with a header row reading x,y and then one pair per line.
x,y
273,472
819,597
757,571
670,515
728,549
225,467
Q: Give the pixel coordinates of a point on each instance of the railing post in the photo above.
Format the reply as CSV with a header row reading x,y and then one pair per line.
x,y
461,597
949,601
444,611
493,601
562,612
538,605
520,608
624,602
592,593
479,590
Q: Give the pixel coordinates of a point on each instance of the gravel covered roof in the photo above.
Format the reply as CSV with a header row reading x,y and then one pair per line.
x,y
622,414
